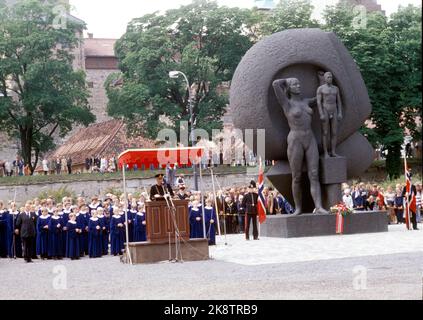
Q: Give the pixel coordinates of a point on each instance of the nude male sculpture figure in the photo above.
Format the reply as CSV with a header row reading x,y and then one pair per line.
x,y
330,110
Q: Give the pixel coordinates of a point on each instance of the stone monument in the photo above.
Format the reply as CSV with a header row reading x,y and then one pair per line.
x,y
303,87
304,54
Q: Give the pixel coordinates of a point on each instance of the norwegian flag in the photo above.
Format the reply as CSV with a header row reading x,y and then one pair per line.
x,y
261,202
410,197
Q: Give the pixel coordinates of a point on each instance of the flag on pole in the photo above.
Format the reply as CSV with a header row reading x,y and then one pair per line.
x,y
410,197
261,202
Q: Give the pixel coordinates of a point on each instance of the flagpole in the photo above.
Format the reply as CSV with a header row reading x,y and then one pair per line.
x,y
407,191
126,214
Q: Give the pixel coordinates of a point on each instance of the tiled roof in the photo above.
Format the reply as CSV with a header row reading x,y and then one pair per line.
x,y
95,47
101,139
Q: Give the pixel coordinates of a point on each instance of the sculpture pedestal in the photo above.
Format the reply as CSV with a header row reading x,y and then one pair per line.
x,y
312,225
333,172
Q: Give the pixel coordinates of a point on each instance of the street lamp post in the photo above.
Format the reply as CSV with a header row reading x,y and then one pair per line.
x,y
175,75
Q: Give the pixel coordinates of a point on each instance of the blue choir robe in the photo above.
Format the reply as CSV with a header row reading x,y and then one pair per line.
x,y
4,217
95,244
210,214
82,220
116,234
140,230
106,235
196,226
55,237
42,235
72,240
131,216
14,240
65,218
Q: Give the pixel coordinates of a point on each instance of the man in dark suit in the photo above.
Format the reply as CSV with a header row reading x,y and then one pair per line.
x,y
250,203
161,188
25,226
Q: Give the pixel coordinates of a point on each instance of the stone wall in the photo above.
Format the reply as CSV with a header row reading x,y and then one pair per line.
x,y
98,100
90,188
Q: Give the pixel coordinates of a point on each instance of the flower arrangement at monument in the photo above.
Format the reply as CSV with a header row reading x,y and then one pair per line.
x,y
341,209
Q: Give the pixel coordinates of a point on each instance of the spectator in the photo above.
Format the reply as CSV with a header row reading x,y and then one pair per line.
x,y
8,167
18,165
103,165
45,166
419,202
398,207
347,199
69,165
58,166
64,164
88,163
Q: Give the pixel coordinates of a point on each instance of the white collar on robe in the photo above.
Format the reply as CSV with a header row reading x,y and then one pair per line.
x,y
206,207
117,216
94,219
100,216
73,222
141,214
44,217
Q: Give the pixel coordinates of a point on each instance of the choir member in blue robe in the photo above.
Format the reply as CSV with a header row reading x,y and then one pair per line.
x,y
42,234
210,217
95,245
82,219
131,216
104,234
55,237
4,218
140,231
65,218
14,240
196,222
94,205
72,239
117,233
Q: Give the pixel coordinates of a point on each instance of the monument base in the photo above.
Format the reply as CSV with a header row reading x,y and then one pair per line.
x,y
312,225
146,252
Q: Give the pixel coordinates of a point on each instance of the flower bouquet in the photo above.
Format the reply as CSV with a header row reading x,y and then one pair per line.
x,y
341,209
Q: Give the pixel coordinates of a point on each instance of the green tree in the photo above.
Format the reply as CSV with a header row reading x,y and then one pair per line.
x,y
41,93
388,53
203,40
289,14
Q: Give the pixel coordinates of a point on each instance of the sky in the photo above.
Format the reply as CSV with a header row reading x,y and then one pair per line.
x,y
109,18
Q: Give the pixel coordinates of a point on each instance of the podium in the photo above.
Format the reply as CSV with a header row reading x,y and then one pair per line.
x,y
160,225
160,221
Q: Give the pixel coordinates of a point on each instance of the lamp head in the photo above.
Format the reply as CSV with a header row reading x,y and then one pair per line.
x,y
174,74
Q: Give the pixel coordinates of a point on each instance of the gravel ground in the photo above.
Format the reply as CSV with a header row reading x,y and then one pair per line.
x,y
389,276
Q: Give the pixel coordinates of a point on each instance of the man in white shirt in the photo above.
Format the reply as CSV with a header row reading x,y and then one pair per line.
x,y
45,166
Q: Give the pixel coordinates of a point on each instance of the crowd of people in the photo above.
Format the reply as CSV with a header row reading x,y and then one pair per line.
x,y
362,197
75,228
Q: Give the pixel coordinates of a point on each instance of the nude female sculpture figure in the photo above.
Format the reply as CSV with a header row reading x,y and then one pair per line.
x,y
302,144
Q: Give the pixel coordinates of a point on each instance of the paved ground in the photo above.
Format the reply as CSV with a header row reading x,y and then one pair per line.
x,y
373,266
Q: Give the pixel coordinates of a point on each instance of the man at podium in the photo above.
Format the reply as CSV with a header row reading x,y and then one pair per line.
x,y
161,188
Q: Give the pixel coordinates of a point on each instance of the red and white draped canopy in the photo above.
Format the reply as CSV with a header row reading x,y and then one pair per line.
x,y
159,158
